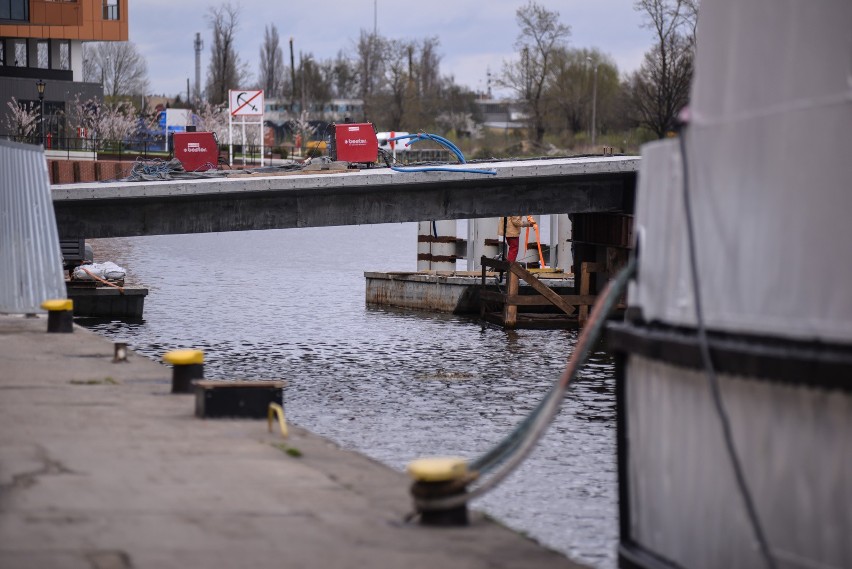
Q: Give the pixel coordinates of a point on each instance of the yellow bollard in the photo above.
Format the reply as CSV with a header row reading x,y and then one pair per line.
x,y
188,366
440,477
60,315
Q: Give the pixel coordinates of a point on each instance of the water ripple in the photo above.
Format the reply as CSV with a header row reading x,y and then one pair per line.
x,y
393,384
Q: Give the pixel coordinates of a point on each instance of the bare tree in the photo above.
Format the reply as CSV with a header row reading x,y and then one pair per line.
x,y
690,21
425,69
226,70
571,88
408,88
118,65
456,109
313,82
345,77
428,68
399,90
660,88
271,63
541,35
369,50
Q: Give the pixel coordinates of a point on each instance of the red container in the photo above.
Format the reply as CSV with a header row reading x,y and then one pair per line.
x,y
356,142
197,151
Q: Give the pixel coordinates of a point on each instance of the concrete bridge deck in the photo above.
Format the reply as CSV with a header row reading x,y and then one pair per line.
x,y
100,467
376,195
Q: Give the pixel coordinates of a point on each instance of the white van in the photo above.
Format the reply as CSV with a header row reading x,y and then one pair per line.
x,y
392,146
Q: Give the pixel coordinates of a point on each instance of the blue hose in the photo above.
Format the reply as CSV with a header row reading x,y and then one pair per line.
x,y
443,169
434,137
443,142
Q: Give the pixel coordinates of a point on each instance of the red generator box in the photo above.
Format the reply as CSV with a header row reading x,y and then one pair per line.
x,y
355,142
197,151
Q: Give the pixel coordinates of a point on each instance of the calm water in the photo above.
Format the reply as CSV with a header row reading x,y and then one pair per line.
x,y
395,385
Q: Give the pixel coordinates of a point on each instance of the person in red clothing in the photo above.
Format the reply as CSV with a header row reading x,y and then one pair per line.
x,y
510,228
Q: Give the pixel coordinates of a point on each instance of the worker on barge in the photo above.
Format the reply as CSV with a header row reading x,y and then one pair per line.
x,y
510,229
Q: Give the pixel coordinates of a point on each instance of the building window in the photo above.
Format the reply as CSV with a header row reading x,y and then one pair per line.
x,y
42,54
15,10
19,49
64,54
110,9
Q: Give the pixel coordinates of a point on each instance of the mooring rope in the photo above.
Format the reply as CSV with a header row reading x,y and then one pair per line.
x,y
516,446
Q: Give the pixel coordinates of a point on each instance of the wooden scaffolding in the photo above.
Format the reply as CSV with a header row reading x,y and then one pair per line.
x,y
501,307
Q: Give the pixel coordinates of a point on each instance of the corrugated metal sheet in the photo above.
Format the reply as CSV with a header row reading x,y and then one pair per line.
x,y
30,260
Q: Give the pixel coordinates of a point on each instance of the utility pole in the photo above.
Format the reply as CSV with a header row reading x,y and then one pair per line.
x,y
292,77
302,86
198,45
594,100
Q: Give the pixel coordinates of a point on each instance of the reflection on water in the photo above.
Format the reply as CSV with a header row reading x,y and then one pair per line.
x,y
393,384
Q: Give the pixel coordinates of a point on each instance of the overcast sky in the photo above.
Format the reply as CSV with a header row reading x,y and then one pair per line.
x,y
474,36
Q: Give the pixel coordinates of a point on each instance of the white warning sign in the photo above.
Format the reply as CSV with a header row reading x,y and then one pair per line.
x,y
245,103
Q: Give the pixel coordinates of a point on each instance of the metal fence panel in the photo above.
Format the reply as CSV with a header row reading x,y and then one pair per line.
x,y
30,259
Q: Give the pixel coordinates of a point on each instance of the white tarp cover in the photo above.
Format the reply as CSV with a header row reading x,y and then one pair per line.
x,y
770,166
107,270
30,257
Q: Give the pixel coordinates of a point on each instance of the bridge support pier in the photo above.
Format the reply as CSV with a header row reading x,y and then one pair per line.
x,y
436,245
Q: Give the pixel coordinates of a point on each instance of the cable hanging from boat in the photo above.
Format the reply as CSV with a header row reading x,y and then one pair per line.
x,y
413,138
505,456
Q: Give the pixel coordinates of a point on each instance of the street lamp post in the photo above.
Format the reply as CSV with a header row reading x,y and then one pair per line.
x,y
594,99
40,86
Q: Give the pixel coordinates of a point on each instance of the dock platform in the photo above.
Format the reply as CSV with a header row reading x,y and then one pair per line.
x,y
93,301
456,292
100,466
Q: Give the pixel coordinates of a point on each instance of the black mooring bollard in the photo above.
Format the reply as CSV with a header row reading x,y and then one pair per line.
x,y
188,365
60,315
435,478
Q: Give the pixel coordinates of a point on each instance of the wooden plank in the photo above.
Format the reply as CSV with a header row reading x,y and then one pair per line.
x,y
536,300
570,299
542,289
510,311
585,278
528,322
496,264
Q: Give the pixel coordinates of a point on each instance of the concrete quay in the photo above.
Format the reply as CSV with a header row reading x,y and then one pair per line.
x,y
102,468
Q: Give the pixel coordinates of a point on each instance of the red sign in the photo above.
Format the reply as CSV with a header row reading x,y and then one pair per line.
x,y
197,151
